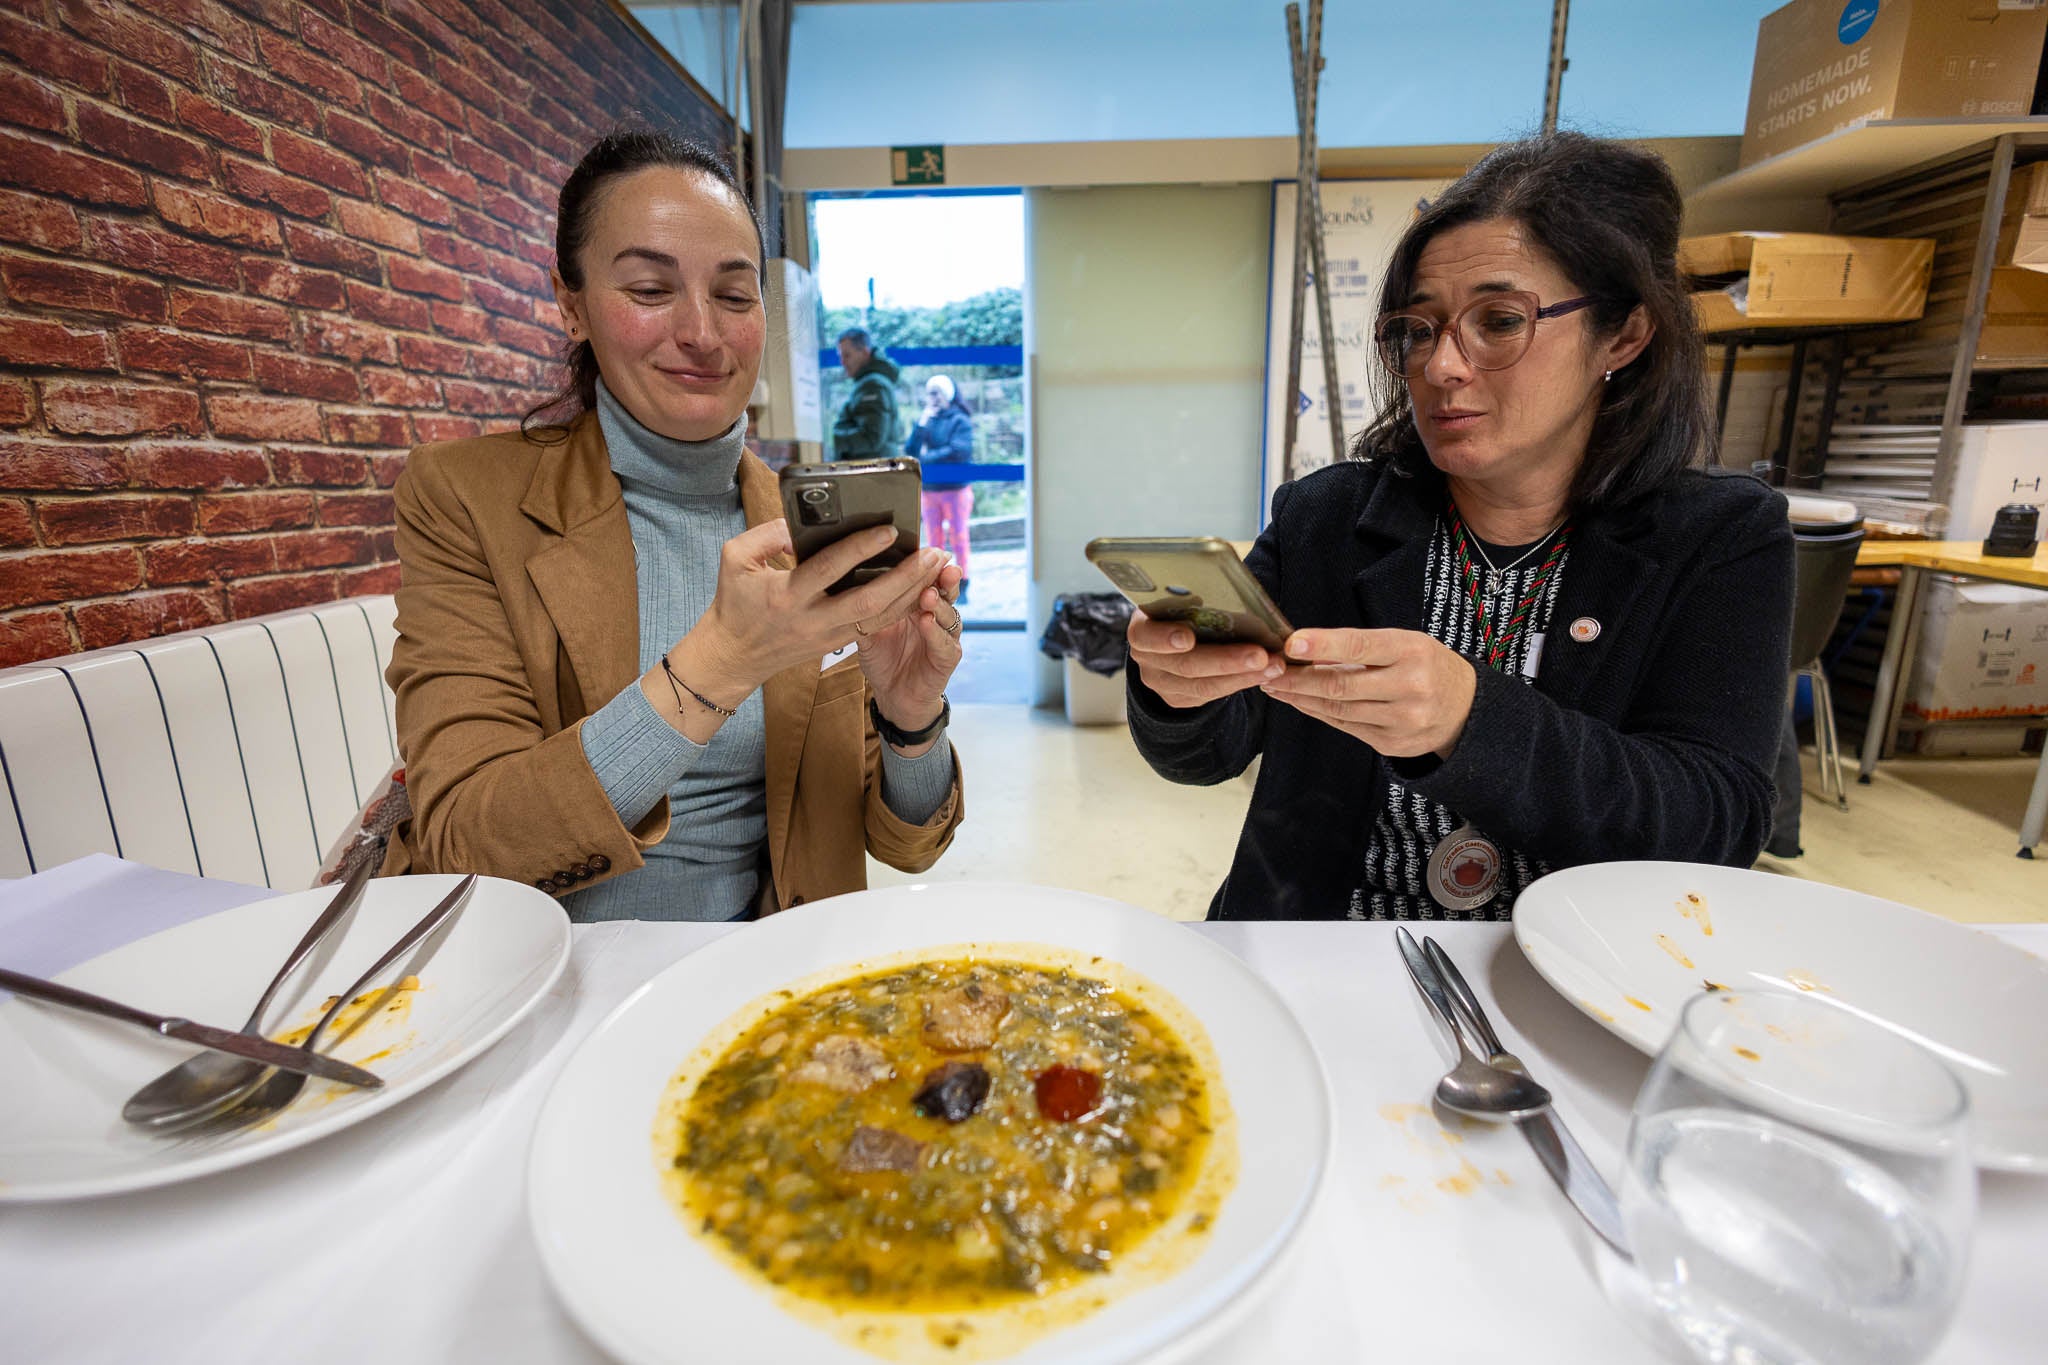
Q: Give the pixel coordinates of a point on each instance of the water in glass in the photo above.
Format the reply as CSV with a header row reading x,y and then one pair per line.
x,y
1783,1215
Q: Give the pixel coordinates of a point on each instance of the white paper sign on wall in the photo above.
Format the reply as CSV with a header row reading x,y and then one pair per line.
x,y
1362,222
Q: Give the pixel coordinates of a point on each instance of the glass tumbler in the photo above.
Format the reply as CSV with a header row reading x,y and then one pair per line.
x,y
1798,1188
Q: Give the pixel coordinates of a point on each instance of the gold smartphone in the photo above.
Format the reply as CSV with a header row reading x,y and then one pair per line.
x,y
1196,579
825,503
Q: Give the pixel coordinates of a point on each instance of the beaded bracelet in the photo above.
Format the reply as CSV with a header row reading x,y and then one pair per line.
x,y
680,687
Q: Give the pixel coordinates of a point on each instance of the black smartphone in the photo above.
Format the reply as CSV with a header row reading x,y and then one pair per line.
x,y
825,503
1196,579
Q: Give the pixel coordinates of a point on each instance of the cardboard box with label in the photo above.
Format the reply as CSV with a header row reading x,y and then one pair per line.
x,y
1805,279
1997,463
1825,65
1983,650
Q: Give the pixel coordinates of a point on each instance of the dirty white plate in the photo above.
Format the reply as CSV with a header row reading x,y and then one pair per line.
x,y
1629,944
64,1075
647,1289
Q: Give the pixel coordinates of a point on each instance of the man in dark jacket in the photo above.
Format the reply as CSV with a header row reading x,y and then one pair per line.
x,y
868,427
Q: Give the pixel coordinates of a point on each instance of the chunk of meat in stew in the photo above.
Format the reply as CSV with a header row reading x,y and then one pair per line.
x,y
845,1063
880,1149
964,1019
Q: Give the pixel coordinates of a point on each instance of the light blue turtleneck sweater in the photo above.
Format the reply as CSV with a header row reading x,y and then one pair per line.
x,y
683,504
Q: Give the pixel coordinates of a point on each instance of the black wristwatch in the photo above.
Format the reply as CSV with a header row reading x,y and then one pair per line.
x,y
905,739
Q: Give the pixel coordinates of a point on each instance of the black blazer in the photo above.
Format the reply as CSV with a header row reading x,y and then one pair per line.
x,y
1654,740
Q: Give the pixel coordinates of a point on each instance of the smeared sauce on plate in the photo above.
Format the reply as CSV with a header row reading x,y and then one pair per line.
x,y
386,1005
1677,953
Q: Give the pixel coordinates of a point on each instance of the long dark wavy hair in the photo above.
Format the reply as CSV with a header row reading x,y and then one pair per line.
x,y
618,153
1608,214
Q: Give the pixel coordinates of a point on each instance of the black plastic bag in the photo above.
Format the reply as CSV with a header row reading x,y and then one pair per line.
x,y
1089,628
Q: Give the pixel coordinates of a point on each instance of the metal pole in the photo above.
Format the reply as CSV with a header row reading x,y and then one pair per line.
x,y
1333,395
739,70
1974,307
1553,86
756,42
1303,180
1307,62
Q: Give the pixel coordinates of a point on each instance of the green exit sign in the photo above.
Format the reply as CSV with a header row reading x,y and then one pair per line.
x,y
917,165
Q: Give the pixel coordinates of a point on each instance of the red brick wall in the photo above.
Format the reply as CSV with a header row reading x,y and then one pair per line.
x,y
250,252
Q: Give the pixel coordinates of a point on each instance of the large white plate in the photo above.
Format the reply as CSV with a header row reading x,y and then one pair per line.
x,y
1616,940
64,1075
652,1293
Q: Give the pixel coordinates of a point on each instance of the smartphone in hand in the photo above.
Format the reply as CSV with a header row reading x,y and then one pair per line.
x,y
824,503
1196,579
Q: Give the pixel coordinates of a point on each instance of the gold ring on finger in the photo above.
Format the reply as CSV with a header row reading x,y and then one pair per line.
x,y
954,629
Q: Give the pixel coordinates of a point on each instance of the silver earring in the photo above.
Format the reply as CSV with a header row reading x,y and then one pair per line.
x,y
1609,378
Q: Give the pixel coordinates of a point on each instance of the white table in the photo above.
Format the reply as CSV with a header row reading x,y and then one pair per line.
x,y
404,1239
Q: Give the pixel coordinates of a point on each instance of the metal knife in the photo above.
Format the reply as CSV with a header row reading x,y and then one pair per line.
x,y
202,1035
1575,1174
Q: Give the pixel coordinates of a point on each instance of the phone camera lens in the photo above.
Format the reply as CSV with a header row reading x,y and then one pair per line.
x,y
1127,576
816,497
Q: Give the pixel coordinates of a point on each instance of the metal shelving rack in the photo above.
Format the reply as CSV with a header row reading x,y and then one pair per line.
x,y
1876,414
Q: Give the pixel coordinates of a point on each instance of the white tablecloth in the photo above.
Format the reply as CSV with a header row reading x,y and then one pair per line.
x,y
404,1239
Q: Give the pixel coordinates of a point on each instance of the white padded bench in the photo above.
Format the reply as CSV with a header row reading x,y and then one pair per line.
x,y
240,751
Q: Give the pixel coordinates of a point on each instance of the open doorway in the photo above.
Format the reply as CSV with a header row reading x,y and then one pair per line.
x,y
936,278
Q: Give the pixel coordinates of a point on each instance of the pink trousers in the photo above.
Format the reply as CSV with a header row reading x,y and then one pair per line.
x,y
945,521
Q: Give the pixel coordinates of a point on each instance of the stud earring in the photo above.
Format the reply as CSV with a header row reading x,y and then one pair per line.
x,y
1609,378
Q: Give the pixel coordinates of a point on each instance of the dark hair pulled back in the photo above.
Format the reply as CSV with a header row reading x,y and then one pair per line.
x,y
618,153
1608,214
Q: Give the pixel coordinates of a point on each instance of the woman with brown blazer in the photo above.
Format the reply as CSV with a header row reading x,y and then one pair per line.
x,y
612,682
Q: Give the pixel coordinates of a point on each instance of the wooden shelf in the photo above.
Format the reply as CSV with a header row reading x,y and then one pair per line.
x,y
1765,335
1788,192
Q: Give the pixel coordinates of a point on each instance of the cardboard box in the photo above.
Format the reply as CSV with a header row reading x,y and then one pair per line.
x,y
2027,191
2015,317
1822,65
1983,650
2023,235
1806,279
1997,463
1973,739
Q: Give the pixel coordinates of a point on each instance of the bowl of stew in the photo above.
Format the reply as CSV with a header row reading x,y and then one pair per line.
x,y
934,1123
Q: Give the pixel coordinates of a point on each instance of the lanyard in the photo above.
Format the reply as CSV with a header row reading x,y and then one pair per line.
x,y
1497,648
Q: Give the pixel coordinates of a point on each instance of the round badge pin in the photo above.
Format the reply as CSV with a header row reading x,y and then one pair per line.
x,y
1585,630
1464,871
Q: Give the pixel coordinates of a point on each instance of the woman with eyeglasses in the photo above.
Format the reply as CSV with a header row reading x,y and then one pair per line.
x,y
1532,631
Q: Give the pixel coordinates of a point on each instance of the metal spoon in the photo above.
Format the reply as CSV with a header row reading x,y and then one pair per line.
x,y
211,1083
284,1086
1472,1087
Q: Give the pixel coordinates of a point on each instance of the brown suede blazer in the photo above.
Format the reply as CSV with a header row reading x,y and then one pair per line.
x,y
518,616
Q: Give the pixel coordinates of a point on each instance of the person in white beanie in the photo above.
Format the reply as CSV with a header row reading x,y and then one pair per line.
x,y
943,442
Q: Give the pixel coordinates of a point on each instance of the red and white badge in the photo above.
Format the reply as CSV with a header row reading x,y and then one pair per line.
x,y
1464,871
1585,630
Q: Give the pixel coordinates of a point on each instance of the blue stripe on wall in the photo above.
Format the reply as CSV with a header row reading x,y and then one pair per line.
x,y
828,357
